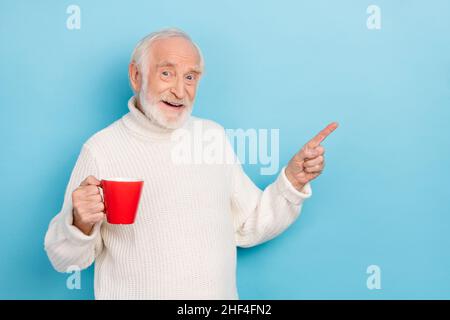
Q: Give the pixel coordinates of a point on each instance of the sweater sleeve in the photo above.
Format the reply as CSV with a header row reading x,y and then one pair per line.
x,y
260,216
64,243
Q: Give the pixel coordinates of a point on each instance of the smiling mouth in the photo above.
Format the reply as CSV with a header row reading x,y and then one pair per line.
x,y
173,105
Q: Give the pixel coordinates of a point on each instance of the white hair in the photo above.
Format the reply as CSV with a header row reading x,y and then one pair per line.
x,y
140,52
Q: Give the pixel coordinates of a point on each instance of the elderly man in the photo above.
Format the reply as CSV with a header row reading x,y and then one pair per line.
x,y
191,217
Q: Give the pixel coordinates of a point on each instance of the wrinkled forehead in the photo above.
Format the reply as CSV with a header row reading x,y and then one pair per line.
x,y
175,52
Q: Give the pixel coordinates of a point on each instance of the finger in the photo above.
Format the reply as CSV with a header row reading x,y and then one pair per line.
x,y
310,153
302,177
320,150
90,207
310,176
314,142
97,217
90,190
299,158
90,180
313,162
313,169
96,207
94,198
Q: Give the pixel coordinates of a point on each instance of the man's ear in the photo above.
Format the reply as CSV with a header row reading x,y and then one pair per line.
x,y
135,76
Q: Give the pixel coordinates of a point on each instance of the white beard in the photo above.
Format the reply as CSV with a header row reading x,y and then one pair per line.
x,y
154,113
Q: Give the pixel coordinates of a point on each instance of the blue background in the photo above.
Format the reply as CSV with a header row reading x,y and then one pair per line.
x,y
295,65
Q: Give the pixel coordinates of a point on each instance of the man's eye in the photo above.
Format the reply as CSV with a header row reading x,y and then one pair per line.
x,y
165,73
190,77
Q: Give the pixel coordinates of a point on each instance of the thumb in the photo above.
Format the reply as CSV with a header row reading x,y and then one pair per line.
x,y
308,153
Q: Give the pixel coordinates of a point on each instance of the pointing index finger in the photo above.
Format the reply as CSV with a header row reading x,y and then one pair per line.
x,y
314,142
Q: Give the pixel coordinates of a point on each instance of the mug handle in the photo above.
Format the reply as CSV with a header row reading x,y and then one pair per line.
x,y
100,189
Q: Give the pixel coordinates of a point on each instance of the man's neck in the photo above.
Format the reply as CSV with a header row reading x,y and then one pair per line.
x,y
138,105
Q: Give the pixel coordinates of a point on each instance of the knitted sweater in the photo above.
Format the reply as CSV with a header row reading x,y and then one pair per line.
x,y
190,218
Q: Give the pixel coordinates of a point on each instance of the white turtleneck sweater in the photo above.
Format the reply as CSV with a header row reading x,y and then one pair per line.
x,y
190,218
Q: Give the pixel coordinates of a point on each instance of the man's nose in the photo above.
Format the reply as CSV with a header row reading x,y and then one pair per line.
x,y
178,89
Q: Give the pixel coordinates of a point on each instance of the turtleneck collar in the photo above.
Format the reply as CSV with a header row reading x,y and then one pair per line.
x,y
138,122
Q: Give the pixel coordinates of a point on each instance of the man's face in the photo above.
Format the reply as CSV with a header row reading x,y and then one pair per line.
x,y
170,82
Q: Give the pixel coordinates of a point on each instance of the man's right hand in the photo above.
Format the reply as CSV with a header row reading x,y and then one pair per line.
x,y
88,207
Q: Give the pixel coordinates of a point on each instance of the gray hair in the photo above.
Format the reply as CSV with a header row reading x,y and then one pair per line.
x,y
140,52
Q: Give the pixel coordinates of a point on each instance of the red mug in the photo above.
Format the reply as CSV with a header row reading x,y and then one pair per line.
x,y
121,198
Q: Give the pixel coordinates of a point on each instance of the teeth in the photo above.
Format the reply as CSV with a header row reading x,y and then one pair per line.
x,y
175,104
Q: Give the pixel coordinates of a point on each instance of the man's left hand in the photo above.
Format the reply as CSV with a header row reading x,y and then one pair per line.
x,y
308,163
